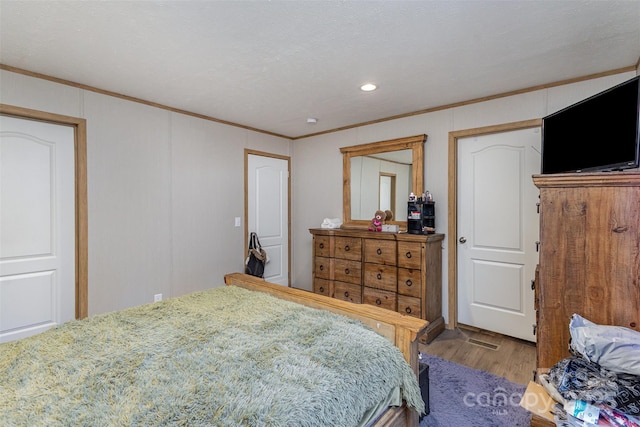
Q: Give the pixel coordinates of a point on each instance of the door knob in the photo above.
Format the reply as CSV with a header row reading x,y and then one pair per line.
x,y
463,240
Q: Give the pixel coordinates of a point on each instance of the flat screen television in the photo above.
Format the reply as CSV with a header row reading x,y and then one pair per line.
x,y
600,133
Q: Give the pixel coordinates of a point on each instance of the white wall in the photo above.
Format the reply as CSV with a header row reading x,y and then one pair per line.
x,y
317,161
164,188
163,191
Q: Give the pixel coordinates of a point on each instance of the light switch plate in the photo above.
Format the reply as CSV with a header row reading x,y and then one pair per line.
x,y
238,221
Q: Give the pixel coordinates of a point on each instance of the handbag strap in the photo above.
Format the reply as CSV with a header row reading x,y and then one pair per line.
x,y
254,242
257,243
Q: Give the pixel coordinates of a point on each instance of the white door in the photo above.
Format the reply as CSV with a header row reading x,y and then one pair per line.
x,y
498,231
268,212
37,226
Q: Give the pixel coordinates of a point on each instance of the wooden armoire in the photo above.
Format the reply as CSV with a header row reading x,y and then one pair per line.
x,y
589,255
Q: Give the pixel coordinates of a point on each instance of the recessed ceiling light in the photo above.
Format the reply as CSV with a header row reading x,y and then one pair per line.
x,y
312,120
368,87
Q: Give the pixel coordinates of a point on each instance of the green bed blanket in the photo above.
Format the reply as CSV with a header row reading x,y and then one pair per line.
x,y
222,357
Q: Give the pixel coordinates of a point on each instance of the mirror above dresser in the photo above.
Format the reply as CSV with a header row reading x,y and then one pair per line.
x,y
397,271
379,176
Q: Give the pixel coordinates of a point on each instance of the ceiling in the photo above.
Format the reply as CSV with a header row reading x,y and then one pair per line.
x,y
270,65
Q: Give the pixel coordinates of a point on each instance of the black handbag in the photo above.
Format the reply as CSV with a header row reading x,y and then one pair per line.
x,y
256,258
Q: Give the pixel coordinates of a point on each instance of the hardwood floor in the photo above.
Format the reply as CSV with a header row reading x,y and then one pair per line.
x,y
507,357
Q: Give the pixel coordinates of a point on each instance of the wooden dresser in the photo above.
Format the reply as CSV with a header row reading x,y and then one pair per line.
x,y
399,272
589,257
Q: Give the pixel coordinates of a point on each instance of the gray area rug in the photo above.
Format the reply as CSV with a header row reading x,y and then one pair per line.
x,y
464,397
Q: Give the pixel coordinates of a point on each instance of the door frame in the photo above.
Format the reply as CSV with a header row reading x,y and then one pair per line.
x,y
247,152
80,163
453,203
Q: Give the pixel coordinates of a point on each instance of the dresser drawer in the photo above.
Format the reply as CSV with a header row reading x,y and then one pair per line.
x,y
380,298
348,248
322,287
322,268
409,282
409,254
322,246
348,271
396,271
381,276
380,251
409,305
348,292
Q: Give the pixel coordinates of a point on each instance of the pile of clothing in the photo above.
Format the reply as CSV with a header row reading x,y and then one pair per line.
x,y
599,384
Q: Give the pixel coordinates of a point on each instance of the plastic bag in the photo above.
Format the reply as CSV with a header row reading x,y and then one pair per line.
x,y
615,348
576,378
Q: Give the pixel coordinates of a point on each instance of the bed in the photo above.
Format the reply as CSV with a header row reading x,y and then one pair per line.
x,y
249,353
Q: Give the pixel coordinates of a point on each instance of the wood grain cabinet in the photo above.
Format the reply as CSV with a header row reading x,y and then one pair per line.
x,y
399,272
589,256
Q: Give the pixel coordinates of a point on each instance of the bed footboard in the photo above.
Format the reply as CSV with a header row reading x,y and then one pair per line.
x,y
403,331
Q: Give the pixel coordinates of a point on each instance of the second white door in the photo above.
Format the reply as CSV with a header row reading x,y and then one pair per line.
x,y
268,212
497,231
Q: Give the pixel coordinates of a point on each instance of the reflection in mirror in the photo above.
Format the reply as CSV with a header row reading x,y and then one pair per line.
x,y
387,192
392,172
380,176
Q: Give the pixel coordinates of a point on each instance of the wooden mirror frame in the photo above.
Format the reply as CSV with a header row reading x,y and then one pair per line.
x,y
414,143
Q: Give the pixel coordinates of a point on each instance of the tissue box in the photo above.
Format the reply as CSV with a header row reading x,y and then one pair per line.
x,y
331,223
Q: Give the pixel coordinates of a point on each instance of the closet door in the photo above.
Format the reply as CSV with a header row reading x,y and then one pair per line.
x,y
267,207
37,223
497,231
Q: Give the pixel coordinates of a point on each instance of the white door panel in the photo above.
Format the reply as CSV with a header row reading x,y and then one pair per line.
x,y
498,229
268,212
496,198
26,185
21,314
496,286
37,226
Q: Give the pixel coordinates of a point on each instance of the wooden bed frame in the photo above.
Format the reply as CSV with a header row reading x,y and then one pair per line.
x,y
403,331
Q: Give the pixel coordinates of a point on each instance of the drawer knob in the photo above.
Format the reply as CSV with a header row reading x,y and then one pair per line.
x,y
408,254
409,282
321,289
321,267
346,294
378,302
379,276
321,245
347,248
633,324
408,310
620,229
379,251
346,271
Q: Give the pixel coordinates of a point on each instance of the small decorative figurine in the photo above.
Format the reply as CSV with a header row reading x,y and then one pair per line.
x,y
377,221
